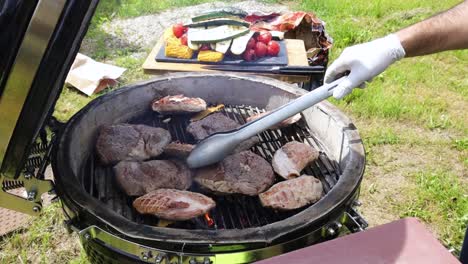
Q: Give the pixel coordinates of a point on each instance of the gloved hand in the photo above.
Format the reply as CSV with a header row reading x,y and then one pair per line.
x,y
364,62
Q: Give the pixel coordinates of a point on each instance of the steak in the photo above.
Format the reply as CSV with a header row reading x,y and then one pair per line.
x,y
243,172
177,104
173,204
178,150
130,142
292,194
138,178
211,124
287,122
292,158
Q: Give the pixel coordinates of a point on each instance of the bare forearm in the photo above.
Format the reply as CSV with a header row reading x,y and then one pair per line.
x,y
445,31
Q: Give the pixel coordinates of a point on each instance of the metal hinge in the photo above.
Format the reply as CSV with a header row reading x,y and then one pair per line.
x,y
354,221
34,187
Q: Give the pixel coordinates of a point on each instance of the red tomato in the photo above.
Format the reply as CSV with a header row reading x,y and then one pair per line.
x,y
273,48
183,40
178,30
205,47
265,37
251,43
249,55
260,49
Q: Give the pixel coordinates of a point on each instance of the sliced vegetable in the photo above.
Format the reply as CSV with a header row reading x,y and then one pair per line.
x,y
277,35
192,45
219,22
210,56
217,34
239,44
223,46
227,12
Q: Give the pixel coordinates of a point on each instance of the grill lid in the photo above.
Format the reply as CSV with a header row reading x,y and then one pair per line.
x,y
40,46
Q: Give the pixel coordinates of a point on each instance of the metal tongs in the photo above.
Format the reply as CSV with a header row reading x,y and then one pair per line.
x,y
217,146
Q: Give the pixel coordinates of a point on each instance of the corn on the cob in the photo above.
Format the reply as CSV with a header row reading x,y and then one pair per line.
x,y
176,50
210,56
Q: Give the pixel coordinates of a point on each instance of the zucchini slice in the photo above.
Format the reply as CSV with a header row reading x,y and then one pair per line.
x,y
239,44
218,22
223,46
229,12
190,44
217,34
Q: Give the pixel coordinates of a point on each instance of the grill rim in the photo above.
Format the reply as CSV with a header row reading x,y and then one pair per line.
x,y
77,199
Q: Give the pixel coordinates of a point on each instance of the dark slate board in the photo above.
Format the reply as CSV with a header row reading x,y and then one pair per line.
x,y
280,60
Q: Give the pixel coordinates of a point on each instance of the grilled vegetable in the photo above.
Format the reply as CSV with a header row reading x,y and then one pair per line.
x,y
177,50
223,46
210,56
229,12
217,34
219,22
239,44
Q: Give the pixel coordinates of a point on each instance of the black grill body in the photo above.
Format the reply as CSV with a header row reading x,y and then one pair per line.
x,y
244,229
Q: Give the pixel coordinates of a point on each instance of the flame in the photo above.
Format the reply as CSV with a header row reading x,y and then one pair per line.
x,y
209,220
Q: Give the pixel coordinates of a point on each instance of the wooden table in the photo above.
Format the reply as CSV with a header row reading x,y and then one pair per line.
x,y
295,50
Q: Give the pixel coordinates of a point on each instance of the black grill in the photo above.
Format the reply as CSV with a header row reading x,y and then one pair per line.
x,y
231,211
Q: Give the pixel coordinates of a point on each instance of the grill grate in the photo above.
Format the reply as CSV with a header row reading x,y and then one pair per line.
x,y
231,211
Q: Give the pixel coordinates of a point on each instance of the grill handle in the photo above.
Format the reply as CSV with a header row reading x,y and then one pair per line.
x,y
217,146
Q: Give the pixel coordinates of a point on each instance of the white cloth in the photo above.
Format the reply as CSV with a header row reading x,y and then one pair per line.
x,y
90,76
363,62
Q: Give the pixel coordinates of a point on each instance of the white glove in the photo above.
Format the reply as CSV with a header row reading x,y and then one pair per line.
x,y
364,62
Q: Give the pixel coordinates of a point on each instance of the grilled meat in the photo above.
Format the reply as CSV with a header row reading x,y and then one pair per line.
x,y
292,158
174,104
173,204
215,123
130,142
138,178
287,122
211,124
178,150
244,173
246,144
292,194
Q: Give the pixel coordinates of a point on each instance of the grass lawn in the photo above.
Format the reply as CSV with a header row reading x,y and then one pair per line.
x,y
412,119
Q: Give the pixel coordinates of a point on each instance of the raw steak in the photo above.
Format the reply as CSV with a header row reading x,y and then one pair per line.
x,y
173,204
211,124
173,104
130,142
178,150
138,178
293,157
287,122
244,173
292,194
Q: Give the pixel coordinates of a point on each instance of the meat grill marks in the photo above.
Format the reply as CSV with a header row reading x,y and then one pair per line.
x,y
243,173
292,158
292,194
178,104
130,142
231,211
173,204
139,178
